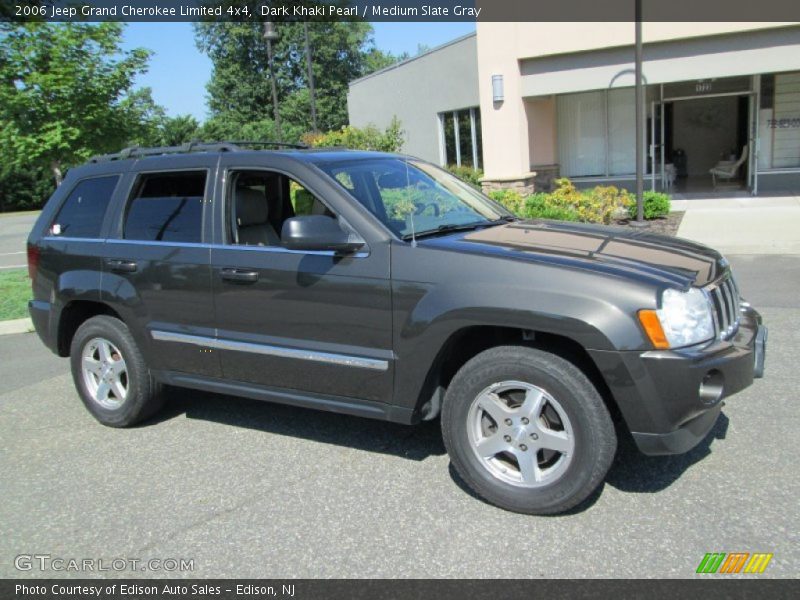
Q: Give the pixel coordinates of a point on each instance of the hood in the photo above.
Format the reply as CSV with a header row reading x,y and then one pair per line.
x,y
619,251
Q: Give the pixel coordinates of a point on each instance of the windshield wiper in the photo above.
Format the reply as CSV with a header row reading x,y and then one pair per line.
x,y
448,228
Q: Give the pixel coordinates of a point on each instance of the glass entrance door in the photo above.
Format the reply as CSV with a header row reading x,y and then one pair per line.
x,y
656,147
753,143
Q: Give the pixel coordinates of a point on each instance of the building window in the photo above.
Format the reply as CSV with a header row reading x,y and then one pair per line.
x,y
779,122
461,137
597,133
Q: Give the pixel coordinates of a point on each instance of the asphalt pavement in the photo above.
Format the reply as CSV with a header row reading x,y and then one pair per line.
x,y
251,489
14,230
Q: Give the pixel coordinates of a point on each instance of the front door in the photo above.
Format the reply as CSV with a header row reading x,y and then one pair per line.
x,y
292,320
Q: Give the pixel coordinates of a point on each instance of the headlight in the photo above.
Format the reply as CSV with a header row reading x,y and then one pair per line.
x,y
684,319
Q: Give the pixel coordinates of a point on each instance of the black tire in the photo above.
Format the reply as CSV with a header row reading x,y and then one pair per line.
x,y
144,395
595,440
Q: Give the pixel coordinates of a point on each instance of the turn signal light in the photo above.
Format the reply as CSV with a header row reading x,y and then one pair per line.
x,y
652,327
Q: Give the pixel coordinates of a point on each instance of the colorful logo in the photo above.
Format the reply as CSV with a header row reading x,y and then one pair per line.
x,y
735,562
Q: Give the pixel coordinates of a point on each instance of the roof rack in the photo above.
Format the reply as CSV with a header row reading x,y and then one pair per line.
x,y
139,152
275,144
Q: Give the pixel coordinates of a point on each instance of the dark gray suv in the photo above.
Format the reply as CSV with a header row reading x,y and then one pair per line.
x,y
380,286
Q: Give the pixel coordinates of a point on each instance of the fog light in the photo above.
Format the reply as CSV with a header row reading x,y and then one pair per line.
x,y
712,387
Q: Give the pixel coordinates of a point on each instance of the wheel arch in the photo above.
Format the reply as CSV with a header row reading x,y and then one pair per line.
x,y
466,343
73,315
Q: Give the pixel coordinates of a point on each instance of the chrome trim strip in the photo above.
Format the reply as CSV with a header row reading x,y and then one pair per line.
x,y
66,238
157,243
280,250
344,360
210,246
723,295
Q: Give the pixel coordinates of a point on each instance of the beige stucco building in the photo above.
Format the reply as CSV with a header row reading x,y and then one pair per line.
x,y
527,102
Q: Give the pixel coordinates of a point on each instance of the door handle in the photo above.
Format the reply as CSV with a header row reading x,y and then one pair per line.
x,y
239,275
121,266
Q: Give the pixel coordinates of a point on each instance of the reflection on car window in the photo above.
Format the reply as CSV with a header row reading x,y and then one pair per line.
x,y
167,207
413,196
85,208
305,203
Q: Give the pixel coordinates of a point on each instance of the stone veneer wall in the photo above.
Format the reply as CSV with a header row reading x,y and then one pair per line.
x,y
539,180
524,185
545,177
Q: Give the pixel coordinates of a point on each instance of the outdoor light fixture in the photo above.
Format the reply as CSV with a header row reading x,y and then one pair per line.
x,y
269,31
497,88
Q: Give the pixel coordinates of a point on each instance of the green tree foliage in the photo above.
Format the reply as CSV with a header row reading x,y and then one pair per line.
x,y
239,91
173,131
66,92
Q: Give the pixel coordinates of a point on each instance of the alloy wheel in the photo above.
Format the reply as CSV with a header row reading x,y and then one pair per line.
x,y
104,373
520,434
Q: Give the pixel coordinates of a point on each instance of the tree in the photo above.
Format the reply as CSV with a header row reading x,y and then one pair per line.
x,y
66,92
239,90
174,131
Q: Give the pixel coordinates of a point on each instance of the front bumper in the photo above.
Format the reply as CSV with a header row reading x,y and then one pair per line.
x,y
670,399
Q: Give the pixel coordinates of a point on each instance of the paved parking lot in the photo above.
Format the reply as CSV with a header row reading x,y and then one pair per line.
x,y
249,489
14,229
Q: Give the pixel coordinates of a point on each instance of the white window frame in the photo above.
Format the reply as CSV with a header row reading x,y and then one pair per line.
x,y
453,114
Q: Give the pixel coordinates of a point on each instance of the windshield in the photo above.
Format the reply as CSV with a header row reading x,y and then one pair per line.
x,y
412,197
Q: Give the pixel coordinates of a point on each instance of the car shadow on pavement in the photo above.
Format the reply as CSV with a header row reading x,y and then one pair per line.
x,y
414,443
586,504
635,472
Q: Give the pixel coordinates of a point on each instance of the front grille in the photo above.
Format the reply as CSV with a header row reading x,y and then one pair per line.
x,y
725,298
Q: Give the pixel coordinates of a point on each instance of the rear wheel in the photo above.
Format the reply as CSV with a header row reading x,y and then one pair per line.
x,y
110,373
527,431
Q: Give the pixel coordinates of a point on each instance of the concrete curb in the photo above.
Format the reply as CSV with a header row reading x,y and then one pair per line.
x,y
16,326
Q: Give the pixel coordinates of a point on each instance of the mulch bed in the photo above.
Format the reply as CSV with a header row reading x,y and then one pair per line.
x,y
666,226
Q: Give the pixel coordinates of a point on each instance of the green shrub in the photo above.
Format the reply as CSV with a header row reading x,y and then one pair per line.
x,y
511,199
655,205
467,175
360,138
601,204
541,206
608,202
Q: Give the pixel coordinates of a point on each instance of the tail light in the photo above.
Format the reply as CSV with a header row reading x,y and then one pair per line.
x,y
33,260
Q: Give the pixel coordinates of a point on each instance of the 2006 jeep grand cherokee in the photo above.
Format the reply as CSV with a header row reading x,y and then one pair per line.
x,y
380,286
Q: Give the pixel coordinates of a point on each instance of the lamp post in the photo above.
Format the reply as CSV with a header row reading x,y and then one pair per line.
x,y
312,95
639,99
270,35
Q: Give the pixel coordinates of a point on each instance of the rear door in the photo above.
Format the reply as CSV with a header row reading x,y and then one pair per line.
x,y
157,261
308,321
68,236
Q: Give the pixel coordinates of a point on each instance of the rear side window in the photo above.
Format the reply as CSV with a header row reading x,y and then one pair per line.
x,y
167,207
83,212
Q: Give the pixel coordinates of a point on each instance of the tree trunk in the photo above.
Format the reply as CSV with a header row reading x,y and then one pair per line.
x,y
56,167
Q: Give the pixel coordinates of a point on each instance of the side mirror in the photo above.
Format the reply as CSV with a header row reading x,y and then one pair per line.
x,y
318,232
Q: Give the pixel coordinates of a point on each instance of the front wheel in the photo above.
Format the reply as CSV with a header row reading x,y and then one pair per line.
x,y
527,431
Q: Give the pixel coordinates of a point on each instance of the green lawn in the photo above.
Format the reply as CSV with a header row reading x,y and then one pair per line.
x,y
15,291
